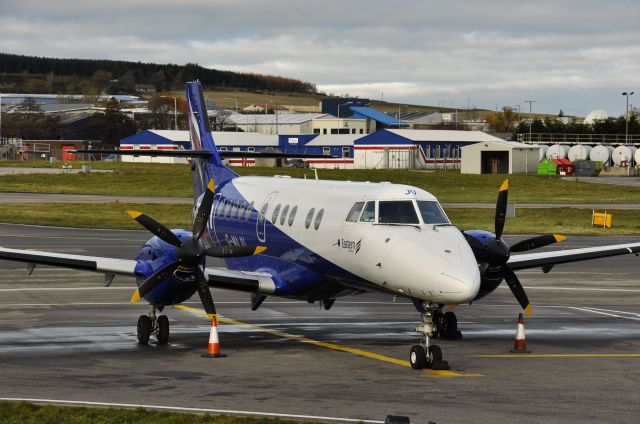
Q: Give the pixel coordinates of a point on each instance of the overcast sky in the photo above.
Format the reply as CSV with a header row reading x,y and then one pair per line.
x,y
575,55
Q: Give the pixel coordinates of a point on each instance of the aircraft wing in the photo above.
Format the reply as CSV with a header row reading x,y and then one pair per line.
x,y
86,263
549,259
254,282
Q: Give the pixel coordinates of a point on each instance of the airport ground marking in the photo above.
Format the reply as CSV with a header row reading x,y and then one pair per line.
x,y
607,312
186,409
340,348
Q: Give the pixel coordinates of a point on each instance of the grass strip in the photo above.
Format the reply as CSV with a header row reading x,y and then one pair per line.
x,y
28,413
94,215
113,215
140,179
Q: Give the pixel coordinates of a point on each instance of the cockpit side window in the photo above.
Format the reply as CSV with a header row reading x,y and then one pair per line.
x,y
397,212
354,213
432,213
369,213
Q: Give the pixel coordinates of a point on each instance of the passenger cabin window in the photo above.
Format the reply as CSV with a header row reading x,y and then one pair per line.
x,y
354,213
326,151
292,216
283,217
263,213
234,209
432,213
249,209
316,223
397,212
307,221
369,213
276,211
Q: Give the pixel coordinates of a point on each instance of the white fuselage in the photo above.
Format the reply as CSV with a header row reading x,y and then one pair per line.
x,y
419,260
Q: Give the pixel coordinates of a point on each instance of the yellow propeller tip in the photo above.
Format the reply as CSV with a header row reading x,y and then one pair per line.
x,y
505,185
211,186
527,310
259,250
134,214
452,306
135,297
559,237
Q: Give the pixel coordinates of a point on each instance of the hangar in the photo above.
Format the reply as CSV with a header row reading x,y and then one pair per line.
x,y
499,157
406,148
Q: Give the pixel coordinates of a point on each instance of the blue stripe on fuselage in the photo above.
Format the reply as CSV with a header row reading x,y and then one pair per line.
x,y
296,269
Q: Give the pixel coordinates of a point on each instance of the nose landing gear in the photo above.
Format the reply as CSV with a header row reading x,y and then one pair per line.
x,y
426,355
149,323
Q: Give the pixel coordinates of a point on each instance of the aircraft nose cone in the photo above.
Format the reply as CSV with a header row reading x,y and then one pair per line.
x,y
460,284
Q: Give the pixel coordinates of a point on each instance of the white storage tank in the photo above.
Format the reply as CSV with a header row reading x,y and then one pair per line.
x,y
543,151
601,153
636,157
623,154
579,152
558,151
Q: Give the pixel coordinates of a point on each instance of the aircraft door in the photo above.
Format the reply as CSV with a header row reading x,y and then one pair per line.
x,y
261,223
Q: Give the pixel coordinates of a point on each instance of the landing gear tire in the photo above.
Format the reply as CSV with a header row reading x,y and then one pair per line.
x,y
417,358
162,329
435,355
144,329
449,328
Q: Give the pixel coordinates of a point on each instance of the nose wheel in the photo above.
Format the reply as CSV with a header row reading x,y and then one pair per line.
x,y
148,324
426,355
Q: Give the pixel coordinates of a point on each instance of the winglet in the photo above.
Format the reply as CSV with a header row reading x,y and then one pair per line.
x,y
527,310
259,249
559,237
134,214
505,185
136,296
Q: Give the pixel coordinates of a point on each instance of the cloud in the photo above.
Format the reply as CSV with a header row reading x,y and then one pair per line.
x,y
577,55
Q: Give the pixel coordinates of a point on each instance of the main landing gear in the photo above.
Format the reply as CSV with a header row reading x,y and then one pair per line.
x,y
149,323
426,355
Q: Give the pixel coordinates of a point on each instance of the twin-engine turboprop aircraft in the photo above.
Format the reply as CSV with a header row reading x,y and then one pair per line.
x,y
317,240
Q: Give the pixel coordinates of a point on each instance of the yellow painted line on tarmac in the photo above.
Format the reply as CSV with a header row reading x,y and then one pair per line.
x,y
353,351
560,355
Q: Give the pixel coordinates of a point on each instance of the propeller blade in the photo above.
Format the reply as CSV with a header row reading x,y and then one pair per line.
x,y
537,242
234,251
516,288
151,282
205,294
204,210
156,228
501,208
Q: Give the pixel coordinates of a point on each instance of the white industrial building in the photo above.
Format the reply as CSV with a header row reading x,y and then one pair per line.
x,y
499,157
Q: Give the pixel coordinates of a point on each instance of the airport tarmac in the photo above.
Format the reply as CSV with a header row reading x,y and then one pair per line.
x,y
65,337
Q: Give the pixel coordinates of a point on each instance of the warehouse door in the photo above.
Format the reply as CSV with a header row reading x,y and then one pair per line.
x,y
66,156
495,162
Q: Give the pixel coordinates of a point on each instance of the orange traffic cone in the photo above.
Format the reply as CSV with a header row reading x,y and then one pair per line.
x,y
213,350
520,345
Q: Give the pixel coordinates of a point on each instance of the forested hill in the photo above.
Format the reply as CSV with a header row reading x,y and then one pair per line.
x,y
31,74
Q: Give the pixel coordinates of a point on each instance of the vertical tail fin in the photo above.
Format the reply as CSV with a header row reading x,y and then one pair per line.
x,y
201,139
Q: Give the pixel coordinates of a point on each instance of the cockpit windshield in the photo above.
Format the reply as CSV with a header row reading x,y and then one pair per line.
x,y
432,213
397,212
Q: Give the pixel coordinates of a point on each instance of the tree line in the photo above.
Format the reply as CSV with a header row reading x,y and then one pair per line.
x,y
42,75
509,121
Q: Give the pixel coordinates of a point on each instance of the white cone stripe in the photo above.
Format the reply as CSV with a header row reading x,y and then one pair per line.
x,y
520,332
213,335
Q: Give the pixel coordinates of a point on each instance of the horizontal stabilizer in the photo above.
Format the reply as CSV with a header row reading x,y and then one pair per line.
x,y
203,153
170,153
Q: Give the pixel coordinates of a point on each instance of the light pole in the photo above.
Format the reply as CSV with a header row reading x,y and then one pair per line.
x,y
175,110
530,120
626,128
342,104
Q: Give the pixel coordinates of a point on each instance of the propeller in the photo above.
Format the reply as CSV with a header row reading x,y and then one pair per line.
x,y
494,253
190,252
